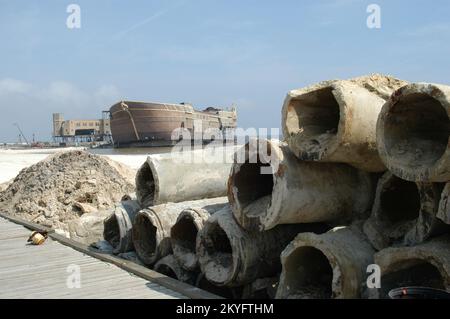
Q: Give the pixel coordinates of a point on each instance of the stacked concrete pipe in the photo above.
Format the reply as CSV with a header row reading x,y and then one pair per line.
x,y
269,186
413,133
263,288
118,226
225,292
444,205
426,265
404,212
330,265
151,228
335,121
170,267
231,256
184,176
184,233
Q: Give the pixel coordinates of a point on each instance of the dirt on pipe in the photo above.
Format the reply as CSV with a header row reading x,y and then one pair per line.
x,y
404,213
152,225
295,191
413,133
424,265
178,177
170,267
118,226
335,121
232,256
184,233
330,265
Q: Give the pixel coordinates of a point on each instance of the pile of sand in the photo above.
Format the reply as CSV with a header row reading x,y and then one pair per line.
x,y
64,186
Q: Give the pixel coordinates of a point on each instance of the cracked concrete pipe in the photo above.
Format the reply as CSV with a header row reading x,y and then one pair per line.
x,y
184,233
231,256
118,226
404,213
331,265
424,265
170,267
335,121
413,133
183,176
151,228
295,191
225,292
444,205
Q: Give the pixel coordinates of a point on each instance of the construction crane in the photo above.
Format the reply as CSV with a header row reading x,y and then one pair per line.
x,y
21,133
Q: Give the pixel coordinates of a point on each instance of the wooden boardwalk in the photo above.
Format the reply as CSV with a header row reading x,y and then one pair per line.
x,y
46,271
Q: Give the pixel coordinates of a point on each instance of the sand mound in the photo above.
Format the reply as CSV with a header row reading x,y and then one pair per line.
x,y
65,186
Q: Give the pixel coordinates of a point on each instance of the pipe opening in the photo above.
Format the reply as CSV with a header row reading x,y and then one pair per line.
x,y
416,131
308,274
145,185
219,253
400,201
315,116
412,273
144,233
184,235
166,270
111,231
254,190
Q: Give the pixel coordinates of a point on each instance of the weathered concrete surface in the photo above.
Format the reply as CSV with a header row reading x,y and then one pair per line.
x,y
118,226
295,191
404,213
178,177
444,206
231,256
413,133
426,265
151,228
330,265
225,292
170,267
88,228
184,233
263,288
335,121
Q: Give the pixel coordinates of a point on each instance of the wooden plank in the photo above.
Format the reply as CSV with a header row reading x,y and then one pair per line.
x,y
28,264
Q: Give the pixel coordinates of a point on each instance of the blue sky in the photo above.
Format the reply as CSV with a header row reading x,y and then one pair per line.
x,y
207,52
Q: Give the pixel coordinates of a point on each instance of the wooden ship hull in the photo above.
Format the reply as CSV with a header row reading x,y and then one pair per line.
x,y
137,124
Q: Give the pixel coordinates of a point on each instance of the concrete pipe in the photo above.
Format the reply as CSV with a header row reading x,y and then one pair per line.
x,y
231,256
178,177
404,212
264,288
118,226
184,233
413,133
170,267
425,265
444,205
225,292
151,228
331,265
335,121
295,191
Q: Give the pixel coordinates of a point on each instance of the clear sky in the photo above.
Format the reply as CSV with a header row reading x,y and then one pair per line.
x,y
207,52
